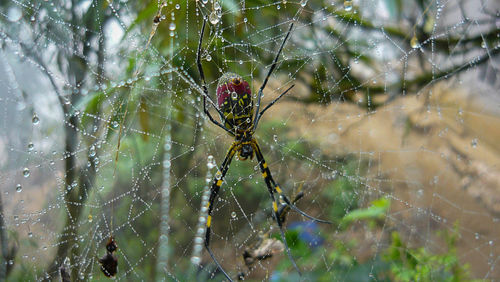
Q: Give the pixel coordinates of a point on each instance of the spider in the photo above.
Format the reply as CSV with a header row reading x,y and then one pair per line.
x,y
109,262
236,110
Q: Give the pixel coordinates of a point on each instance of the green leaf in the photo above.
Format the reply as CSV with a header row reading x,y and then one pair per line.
x,y
144,15
377,210
92,107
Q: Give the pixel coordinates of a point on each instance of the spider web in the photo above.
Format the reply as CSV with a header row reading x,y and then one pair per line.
x,y
384,133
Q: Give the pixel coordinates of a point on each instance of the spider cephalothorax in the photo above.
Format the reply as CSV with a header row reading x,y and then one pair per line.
x,y
236,110
245,151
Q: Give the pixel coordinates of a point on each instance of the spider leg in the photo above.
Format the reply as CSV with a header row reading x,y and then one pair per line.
x,y
284,208
266,173
204,85
269,74
293,207
214,191
212,119
272,103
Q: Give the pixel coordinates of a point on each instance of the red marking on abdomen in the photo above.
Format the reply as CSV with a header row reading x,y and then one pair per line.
x,y
224,91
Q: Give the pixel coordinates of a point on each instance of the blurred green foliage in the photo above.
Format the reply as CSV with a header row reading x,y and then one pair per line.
x,y
419,264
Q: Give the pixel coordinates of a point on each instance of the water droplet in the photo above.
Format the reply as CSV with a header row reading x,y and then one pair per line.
x,y
198,240
171,26
30,234
240,62
167,146
35,120
114,124
217,5
30,146
483,44
26,172
19,188
275,138
278,7
195,260
14,14
92,152
213,18
177,6
197,248
192,149
233,214
166,164
234,95
435,179
210,162
245,20
90,219
347,5
476,235
474,143
208,58
414,42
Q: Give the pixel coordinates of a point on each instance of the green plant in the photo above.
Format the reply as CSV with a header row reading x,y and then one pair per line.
x,y
419,264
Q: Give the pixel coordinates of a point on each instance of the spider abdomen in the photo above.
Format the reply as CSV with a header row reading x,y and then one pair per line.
x,y
234,99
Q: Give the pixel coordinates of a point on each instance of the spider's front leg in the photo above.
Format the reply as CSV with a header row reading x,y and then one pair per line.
x,y
204,85
214,191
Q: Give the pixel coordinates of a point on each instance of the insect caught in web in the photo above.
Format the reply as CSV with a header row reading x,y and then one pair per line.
x,y
236,110
109,262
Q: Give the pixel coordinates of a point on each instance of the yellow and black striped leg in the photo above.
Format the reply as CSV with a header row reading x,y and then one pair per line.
x,y
293,207
214,191
266,173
